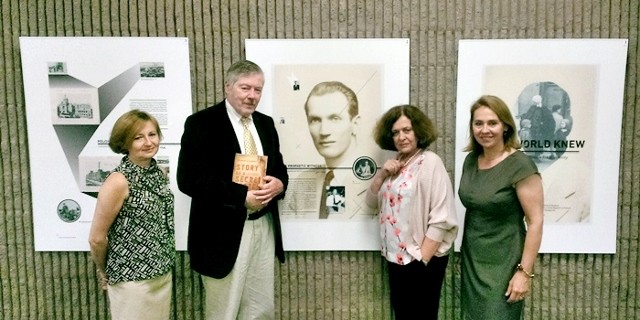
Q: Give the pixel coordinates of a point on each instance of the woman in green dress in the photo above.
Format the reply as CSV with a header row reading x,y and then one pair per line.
x,y
501,190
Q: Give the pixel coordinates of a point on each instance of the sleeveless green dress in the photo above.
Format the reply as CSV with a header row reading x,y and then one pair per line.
x,y
494,234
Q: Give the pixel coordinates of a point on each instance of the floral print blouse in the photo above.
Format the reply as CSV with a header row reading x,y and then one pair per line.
x,y
397,192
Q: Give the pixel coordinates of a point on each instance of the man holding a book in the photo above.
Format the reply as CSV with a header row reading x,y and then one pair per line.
x,y
234,225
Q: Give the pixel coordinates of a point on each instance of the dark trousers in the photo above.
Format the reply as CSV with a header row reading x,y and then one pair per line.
x,y
415,288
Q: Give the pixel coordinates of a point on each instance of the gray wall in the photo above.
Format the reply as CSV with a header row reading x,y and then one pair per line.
x,y
315,285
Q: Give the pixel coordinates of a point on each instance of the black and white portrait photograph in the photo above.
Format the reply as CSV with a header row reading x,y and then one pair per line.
x,y
325,107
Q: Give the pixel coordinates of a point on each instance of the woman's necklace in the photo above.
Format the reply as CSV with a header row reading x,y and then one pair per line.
x,y
404,164
410,158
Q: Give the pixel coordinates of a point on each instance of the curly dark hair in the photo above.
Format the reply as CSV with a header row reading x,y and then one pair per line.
x,y
423,127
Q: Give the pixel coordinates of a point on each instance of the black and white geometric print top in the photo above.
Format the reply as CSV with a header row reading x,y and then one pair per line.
x,y
142,237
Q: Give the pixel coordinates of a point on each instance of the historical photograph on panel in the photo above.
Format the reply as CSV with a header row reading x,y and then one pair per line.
x,y
555,123
152,70
75,106
164,164
331,111
57,68
94,170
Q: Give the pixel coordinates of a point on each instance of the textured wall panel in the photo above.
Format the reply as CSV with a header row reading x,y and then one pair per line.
x,y
315,285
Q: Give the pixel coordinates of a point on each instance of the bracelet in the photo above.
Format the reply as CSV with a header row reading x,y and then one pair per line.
x,y
529,274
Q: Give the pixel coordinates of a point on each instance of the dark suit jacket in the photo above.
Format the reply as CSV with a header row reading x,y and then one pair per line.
x,y
205,167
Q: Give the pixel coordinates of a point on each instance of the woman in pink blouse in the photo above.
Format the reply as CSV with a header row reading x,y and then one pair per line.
x,y
414,198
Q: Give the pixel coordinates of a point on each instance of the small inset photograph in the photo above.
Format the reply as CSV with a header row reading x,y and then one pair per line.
x,y
69,210
57,67
93,171
152,69
335,201
165,166
75,106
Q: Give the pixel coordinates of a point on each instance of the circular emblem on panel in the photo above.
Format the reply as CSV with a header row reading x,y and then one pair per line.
x,y
69,210
364,168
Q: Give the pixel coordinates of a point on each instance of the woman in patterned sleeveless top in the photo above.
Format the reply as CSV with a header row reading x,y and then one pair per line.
x,y
132,236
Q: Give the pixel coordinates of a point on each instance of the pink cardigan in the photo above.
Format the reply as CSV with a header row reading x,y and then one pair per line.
x,y
433,214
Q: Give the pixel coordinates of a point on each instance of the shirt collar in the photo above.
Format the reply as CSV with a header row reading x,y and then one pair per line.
x,y
233,115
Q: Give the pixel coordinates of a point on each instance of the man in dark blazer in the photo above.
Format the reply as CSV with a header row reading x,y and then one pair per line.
x,y
234,232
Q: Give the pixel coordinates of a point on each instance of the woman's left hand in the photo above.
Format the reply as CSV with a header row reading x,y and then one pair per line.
x,y
518,287
102,279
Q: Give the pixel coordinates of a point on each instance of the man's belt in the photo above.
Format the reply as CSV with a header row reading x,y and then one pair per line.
x,y
257,215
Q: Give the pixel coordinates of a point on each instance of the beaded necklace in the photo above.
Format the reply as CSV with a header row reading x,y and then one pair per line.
x,y
393,178
410,158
